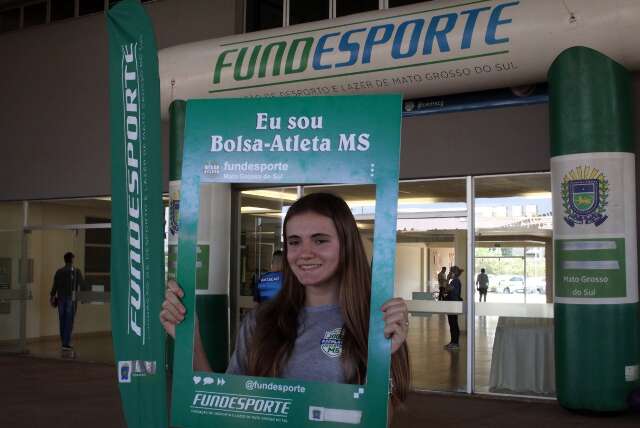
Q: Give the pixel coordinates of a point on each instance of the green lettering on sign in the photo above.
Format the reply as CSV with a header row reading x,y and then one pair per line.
x,y
590,268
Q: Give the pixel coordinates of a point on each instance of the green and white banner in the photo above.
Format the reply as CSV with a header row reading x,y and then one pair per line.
x,y
421,50
595,261
287,141
137,277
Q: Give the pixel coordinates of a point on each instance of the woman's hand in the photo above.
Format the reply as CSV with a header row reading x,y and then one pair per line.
x,y
173,310
172,314
396,322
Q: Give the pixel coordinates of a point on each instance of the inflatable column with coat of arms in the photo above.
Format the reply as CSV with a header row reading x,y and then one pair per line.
x,y
597,346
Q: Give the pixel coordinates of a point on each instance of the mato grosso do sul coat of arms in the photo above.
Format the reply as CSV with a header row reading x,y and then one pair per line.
x,y
584,196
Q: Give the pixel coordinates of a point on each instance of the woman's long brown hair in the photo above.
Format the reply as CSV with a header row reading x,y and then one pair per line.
x,y
276,327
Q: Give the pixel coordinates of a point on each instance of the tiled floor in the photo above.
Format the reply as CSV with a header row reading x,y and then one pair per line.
x,y
96,348
437,369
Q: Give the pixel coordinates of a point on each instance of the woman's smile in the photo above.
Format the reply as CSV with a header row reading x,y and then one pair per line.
x,y
313,249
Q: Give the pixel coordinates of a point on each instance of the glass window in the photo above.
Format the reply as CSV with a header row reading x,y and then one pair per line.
x,y
62,9
432,234
395,3
9,20
114,2
263,14
261,215
87,7
513,281
301,11
35,14
344,7
11,240
10,255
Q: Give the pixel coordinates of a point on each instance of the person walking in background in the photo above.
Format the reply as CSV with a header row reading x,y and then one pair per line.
x,y
66,283
442,283
454,294
270,283
482,281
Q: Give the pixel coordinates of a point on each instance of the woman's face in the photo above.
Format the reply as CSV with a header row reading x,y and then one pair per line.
x,y
313,248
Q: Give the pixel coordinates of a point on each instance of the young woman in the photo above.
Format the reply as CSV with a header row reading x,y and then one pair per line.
x,y
317,326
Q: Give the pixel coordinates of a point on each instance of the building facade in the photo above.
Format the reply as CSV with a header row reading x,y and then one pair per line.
x,y
475,191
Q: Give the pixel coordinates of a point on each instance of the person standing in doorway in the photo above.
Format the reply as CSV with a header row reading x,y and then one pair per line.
x,y
482,281
270,282
442,283
454,291
66,283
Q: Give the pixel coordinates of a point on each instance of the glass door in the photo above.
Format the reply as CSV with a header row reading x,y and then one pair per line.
x,y
81,227
261,214
513,296
14,292
432,238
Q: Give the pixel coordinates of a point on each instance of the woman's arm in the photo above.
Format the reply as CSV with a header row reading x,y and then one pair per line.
x,y
396,328
172,314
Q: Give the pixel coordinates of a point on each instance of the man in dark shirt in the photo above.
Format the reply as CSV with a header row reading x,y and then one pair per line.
x,y
454,293
66,283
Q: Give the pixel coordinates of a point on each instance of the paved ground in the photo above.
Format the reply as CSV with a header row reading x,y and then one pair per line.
x,y
440,410
51,393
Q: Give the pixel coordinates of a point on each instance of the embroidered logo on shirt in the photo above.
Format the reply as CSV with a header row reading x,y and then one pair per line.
x,y
331,344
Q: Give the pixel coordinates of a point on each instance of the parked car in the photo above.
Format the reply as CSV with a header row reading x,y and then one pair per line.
x,y
513,284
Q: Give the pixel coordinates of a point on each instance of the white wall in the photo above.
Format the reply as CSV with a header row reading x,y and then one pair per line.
x,y
409,269
54,103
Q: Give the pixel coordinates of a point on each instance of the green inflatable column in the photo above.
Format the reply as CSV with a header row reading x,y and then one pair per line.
x,y
177,111
594,231
211,306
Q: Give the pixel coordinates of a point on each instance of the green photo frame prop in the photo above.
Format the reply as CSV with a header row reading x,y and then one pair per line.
x,y
300,140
